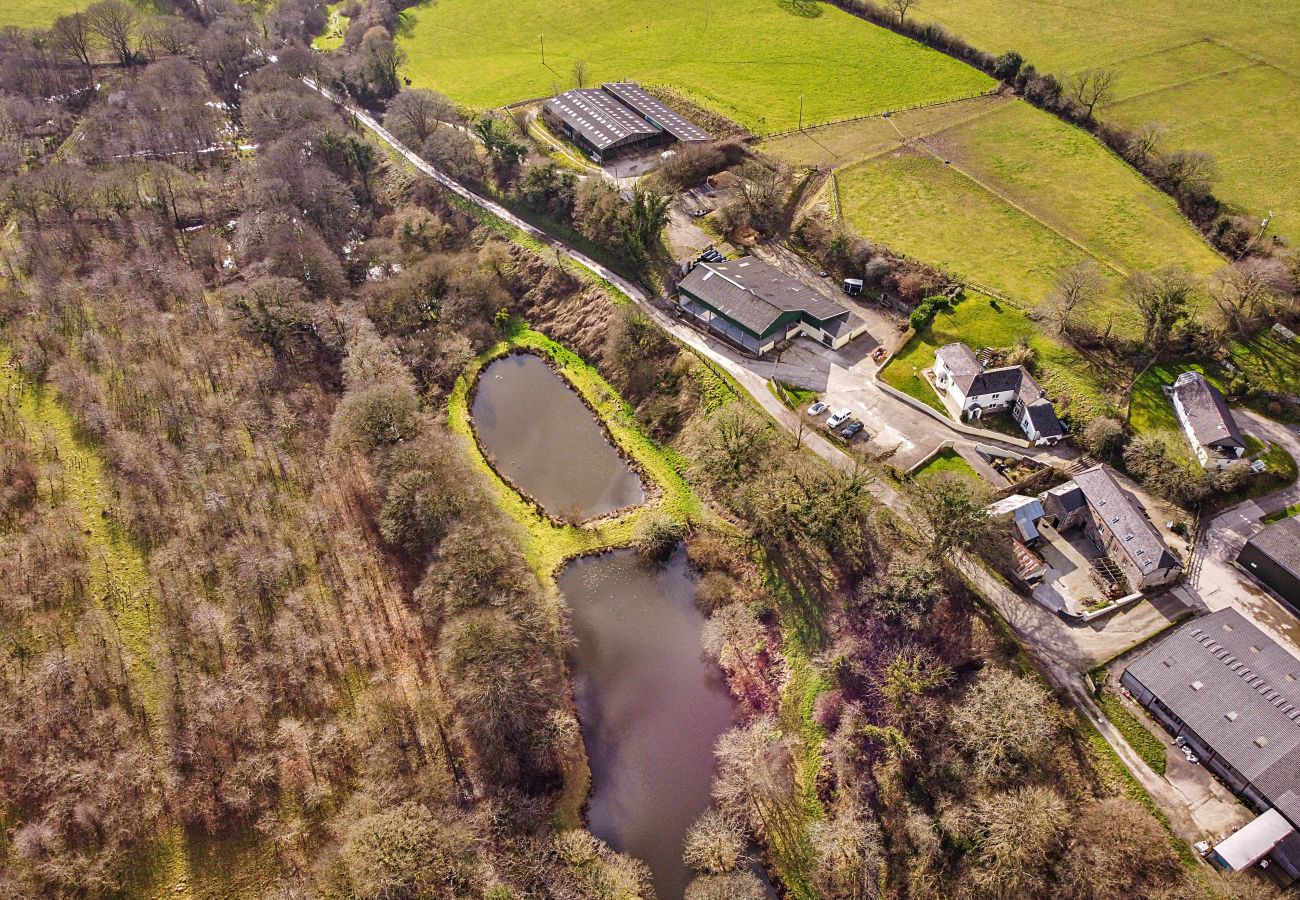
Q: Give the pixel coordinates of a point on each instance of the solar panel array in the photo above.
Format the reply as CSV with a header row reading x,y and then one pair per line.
x,y
657,112
599,117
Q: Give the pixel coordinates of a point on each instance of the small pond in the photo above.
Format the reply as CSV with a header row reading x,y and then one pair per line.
x,y
541,436
652,705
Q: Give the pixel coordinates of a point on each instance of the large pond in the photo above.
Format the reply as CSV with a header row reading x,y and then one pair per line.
x,y
652,705
542,437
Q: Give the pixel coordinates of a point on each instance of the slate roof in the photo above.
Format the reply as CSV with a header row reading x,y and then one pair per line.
x,y
754,295
962,362
1069,495
1239,691
1207,414
1280,542
599,117
1043,416
995,381
1125,518
655,111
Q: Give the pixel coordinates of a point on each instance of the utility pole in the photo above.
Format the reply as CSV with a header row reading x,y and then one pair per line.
x,y
801,112
541,38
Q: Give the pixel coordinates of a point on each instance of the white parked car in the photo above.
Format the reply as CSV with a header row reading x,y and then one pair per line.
x,y
817,408
839,417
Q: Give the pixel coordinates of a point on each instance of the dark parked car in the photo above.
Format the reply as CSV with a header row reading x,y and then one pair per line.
x,y
852,429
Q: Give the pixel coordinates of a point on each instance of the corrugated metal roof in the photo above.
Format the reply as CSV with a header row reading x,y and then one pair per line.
x,y
600,117
1280,542
655,111
754,295
1251,843
1247,705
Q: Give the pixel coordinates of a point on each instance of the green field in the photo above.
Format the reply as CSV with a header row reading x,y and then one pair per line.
x,y
36,13
845,143
336,29
1224,80
1079,387
1014,195
749,61
949,461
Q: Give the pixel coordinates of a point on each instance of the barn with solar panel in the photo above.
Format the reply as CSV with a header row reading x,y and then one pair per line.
x,y
616,120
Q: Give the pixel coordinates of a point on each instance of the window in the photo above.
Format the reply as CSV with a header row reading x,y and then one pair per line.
x,y
1231,715
1196,685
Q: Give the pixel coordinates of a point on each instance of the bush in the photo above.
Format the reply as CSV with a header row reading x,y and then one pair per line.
x,y
924,314
1103,436
657,534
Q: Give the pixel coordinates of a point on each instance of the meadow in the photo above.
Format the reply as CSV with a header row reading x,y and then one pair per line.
x,y
1080,387
1222,81
751,62
1010,196
36,13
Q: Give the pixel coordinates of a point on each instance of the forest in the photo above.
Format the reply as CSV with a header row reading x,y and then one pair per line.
x,y
265,632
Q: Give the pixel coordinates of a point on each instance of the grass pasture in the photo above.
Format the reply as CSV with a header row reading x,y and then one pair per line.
x,y
949,461
751,62
1009,195
336,29
36,13
1079,386
1223,80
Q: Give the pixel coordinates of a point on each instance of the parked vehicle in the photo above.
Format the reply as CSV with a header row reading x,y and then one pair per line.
x,y
817,408
699,213
838,418
852,429
1202,847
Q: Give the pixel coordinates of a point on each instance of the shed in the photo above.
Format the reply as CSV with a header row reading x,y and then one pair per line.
x,y
1251,843
1273,557
1024,511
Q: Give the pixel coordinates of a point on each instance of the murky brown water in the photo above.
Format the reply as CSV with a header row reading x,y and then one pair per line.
x,y
652,705
541,435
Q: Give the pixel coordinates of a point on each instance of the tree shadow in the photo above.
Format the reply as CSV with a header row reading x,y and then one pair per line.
x,y
804,9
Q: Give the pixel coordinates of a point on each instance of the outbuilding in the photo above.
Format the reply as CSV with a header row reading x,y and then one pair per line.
x,y
1273,557
756,306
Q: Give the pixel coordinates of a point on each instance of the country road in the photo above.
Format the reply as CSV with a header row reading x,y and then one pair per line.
x,y
1063,651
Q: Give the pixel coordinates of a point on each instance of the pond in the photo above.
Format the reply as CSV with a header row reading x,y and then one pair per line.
x,y
543,438
652,705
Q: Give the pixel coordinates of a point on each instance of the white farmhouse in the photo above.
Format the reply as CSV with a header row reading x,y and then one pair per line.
x,y
1206,421
976,390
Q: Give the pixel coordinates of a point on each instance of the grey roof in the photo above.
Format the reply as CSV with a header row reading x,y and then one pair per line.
x,y
1208,416
1069,495
1123,516
1043,416
1238,690
656,112
962,362
600,117
995,381
1280,542
754,295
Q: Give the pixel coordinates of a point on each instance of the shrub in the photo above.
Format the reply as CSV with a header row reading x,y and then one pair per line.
x,y
924,314
657,534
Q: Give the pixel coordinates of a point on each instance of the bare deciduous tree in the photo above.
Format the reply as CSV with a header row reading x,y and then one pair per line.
x,y
1005,722
1092,88
116,23
1074,291
901,7
580,73
74,36
415,114
714,845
